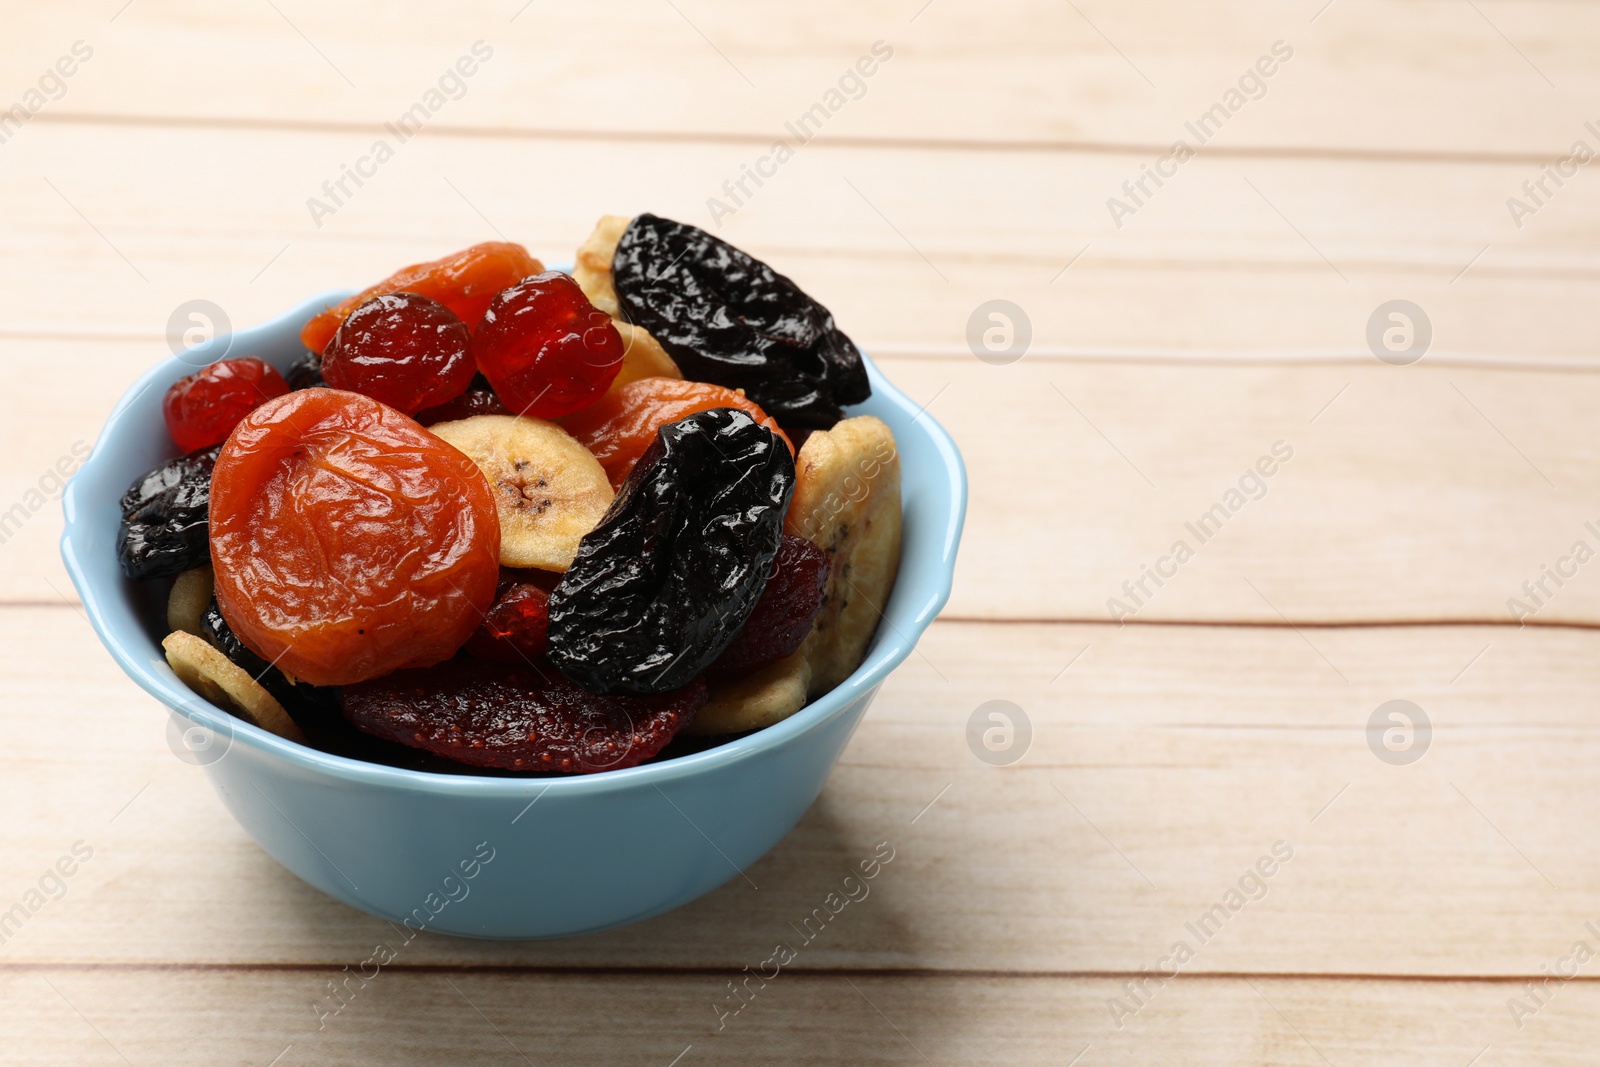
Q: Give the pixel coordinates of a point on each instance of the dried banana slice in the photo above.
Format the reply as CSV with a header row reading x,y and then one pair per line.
x,y
644,357
592,266
550,490
770,695
191,595
847,501
226,684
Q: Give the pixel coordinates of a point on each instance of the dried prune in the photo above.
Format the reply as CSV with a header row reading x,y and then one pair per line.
x,y
347,541
464,282
783,616
666,580
305,372
619,426
728,318
164,518
523,718
479,399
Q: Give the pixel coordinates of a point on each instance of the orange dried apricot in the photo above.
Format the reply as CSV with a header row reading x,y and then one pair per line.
x,y
347,541
464,282
619,426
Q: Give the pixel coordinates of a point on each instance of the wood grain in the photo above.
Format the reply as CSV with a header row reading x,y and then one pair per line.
x,y
1164,761
1169,353
1365,76
1414,493
207,1017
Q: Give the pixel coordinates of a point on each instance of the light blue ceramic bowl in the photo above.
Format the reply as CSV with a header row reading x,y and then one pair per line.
x,y
591,852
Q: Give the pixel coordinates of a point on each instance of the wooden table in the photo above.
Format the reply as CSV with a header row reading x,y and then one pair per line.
x,y
1350,153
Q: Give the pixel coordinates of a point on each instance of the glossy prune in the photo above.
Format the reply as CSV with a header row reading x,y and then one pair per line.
x,y
347,541
785,613
522,718
666,580
479,399
305,373
728,318
165,527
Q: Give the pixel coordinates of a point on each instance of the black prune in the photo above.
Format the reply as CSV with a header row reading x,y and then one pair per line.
x,y
666,581
305,373
729,319
164,518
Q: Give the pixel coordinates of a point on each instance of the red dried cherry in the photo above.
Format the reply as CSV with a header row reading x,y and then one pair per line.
x,y
403,349
463,281
202,409
546,350
519,718
516,629
348,541
785,613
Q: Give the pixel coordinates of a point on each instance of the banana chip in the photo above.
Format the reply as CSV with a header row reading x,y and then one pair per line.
x,y
847,501
644,357
191,595
549,489
592,266
770,695
227,685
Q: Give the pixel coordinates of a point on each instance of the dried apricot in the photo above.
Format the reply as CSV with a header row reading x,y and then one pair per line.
x,y
464,282
520,718
622,424
348,541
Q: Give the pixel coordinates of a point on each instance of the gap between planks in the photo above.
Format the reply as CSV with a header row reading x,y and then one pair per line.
x,y
578,970
1022,145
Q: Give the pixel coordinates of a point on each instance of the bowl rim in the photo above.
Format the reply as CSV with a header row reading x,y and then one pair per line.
x,y
890,649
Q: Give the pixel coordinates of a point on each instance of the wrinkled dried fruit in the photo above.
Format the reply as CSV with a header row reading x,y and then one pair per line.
x,y
305,372
479,399
521,718
164,518
347,540
403,349
202,409
783,616
622,424
546,350
726,317
464,282
516,629
296,698
661,587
